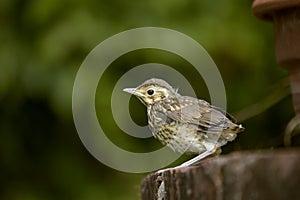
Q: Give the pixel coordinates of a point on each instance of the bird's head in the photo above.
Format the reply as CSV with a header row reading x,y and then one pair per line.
x,y
152,90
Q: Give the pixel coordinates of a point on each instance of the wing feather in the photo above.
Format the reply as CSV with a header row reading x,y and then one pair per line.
x,y
186,109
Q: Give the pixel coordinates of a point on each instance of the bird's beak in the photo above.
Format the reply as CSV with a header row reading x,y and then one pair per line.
x,y
131,91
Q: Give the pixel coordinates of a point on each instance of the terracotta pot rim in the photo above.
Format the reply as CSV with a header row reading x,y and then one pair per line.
x,y
264,9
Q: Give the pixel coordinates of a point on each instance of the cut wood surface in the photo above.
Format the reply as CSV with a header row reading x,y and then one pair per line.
x,y
271,174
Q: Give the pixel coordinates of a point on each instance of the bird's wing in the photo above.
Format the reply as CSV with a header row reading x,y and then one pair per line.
x,y
197,112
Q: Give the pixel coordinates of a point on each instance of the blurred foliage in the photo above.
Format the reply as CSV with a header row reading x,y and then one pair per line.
x,y
42,46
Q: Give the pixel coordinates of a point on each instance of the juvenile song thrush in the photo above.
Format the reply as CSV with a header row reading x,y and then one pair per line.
x,y
185,124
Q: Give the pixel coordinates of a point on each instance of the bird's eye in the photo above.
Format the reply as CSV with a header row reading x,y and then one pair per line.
x,y
150,92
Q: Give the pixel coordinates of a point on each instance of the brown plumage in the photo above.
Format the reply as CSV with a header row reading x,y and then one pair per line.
x,y
185,124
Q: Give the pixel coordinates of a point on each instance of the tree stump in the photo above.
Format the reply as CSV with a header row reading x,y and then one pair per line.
x,y
261,175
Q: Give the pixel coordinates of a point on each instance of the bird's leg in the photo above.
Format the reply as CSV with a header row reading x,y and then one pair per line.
x,y
199,157
214,150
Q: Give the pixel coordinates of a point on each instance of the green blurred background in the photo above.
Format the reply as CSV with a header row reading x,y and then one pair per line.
x,y
42,46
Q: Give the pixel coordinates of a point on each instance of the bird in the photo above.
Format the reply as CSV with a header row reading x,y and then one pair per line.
x,y
184,123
